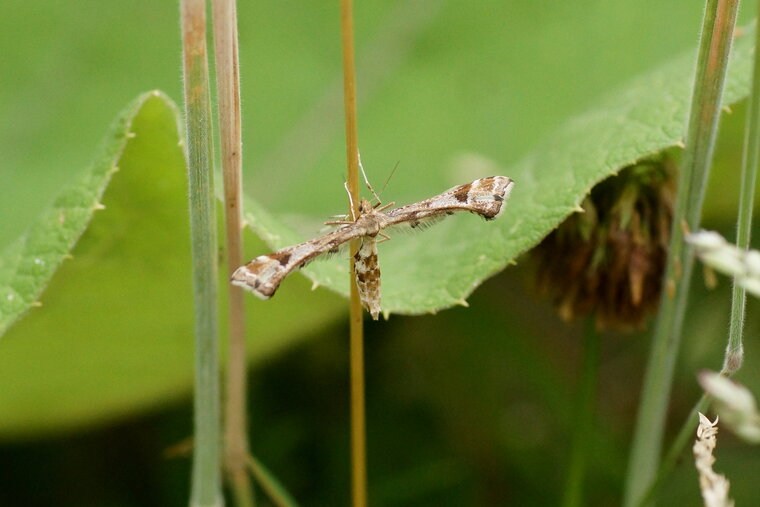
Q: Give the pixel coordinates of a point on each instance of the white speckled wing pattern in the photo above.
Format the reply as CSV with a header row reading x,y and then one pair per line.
x,y
263,275
484,197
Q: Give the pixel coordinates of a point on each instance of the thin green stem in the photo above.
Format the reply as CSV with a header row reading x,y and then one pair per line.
x,y
685,435
358,423
750,161
228,93
584,419
734,348
268,482
715,45
206,483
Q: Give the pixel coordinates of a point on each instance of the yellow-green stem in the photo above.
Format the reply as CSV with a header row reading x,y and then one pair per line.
x,y
228,102
358,423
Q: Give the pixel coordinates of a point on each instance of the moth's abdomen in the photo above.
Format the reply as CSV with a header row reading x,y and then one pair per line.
x,y
367,272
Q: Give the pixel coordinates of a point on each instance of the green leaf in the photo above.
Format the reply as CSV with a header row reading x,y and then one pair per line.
x,y
489,77
441,267
28,263
114,334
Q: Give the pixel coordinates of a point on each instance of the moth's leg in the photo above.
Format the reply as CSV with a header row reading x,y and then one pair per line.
x,y
384,207
339,222
350,200
390,176
366,180
384,236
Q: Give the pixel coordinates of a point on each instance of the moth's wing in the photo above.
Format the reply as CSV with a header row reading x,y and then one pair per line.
x,y
263,275
338,251
484,196
411,221
367,272
330,227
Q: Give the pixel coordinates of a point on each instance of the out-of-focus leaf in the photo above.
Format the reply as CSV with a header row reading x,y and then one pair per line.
x,y
114,334
27,265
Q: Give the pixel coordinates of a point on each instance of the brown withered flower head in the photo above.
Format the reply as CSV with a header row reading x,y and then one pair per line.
x,y
609,260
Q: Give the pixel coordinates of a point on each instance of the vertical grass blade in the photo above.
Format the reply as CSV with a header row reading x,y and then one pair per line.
x,y
734,347
228,101
714,48
206,484
583,427
750,160
358,423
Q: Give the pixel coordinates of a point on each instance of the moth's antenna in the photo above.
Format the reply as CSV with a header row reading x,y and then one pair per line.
x,y
366,181
389,177
350,199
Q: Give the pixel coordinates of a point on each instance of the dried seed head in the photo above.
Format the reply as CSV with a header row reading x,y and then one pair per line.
x,y
714,486
609,260
735,404
715,252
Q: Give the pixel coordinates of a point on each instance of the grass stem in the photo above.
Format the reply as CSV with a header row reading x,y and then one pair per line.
x,y
714,48
583,428
206,483
269,484
750,160
734,348
228,93
358,423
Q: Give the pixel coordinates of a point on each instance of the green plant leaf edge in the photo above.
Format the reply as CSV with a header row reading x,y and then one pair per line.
x,y
28,264
114,334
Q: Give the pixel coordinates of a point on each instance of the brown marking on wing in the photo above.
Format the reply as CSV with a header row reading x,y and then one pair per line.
x,y
261,276
461,193
368,277
281,257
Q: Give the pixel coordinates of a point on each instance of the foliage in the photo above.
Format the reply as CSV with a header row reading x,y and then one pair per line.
x,y
446,88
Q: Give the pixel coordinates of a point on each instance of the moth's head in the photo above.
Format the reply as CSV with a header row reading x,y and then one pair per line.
x,y
364,206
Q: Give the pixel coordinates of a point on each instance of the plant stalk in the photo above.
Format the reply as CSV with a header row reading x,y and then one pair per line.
x,y
228,99
750,161
583,428
358,422
714,48
734,348
269,484
206,483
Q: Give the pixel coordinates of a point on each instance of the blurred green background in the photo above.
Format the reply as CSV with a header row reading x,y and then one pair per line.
x,y
469,407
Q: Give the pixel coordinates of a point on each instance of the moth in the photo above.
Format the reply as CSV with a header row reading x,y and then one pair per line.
x,y
263,275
